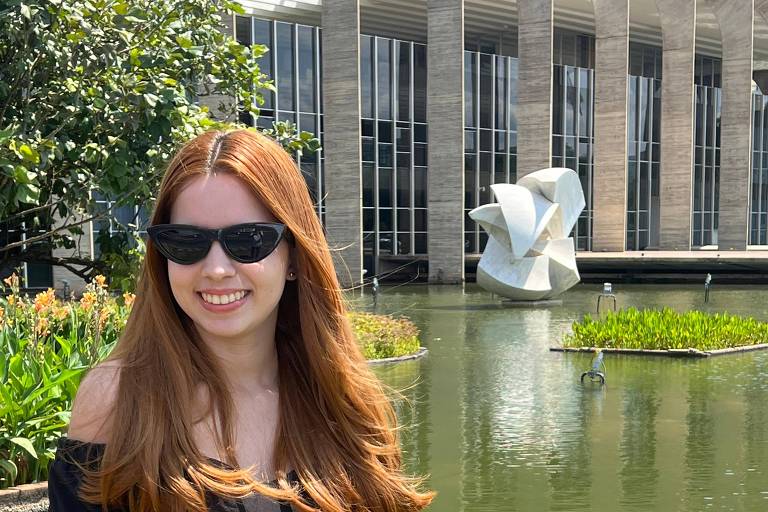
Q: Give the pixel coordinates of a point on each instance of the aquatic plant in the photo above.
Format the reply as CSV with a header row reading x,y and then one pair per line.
x,y
663,329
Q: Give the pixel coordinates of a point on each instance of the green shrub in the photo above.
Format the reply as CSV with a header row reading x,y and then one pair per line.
x,y
383,336
667,329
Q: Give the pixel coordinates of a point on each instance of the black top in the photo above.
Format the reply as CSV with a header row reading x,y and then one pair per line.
x,y
64,480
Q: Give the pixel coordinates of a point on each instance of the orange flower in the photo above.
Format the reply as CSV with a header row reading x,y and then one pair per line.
x,y
100,280
2,314
11,300
42,326
88,300
44,300
128,297
60,313
12,281
103,317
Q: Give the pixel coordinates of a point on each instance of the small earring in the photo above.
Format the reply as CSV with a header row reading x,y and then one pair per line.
x,y
291,274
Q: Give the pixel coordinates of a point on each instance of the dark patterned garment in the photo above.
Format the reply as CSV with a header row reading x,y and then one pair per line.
x,y
65,476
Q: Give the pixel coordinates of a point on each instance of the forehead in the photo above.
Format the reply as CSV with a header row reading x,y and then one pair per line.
x,y
218,200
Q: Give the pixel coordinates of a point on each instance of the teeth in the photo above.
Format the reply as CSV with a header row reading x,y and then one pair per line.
x,y
223,299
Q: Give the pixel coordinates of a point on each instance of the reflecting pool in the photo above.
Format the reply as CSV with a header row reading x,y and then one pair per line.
x,y
500,423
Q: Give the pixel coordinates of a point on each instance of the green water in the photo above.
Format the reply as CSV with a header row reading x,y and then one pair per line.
x,y
500,423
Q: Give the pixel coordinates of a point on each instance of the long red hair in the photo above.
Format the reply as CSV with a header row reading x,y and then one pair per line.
x,y
336,426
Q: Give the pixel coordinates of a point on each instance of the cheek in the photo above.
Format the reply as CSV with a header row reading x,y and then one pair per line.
x,y
181,279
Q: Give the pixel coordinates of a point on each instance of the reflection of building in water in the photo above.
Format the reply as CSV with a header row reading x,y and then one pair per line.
x,y
700,444
756,435
639,474
526,428
413,411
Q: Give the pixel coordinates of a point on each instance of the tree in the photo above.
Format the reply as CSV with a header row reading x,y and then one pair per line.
x,y
94,98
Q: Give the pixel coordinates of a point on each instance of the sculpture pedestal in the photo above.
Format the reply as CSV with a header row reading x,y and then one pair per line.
x,y
531,303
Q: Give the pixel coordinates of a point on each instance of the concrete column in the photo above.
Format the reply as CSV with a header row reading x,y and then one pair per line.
x,y
341,144
610,174
736,18
534,96
82,249
678,29
221,106
445,118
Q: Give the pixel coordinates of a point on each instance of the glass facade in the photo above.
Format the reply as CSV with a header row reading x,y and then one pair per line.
x,y
573,136
758,218
33,275
293,63
490,134
120,219
643,147
706,167
393,81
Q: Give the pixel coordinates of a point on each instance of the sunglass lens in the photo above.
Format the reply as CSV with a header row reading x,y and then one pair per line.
x,y
251,243
181,245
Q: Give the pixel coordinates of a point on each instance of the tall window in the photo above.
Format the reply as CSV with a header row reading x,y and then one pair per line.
x,y
706,167
293,63
33,275
393,78
118,219
643,147
490,134
758,218
573,136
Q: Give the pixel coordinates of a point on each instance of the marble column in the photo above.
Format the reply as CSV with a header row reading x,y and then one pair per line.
x,y
678,30
445,118
610,172
534,96
736,18
341,143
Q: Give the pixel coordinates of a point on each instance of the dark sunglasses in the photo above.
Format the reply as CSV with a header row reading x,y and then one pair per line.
x,y
246,243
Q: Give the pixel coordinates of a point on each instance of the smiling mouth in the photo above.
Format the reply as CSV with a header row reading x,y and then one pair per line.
x,y
221,300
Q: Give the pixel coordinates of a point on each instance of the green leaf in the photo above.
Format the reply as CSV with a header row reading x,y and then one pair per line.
x,y
26,444
27,193
184,41
29,154
9,467
26,12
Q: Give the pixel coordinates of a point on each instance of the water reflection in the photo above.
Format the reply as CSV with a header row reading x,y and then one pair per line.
x,y
700,441
502,424
639,474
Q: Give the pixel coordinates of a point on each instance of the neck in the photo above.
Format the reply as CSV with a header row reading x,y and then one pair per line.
x,y
249,365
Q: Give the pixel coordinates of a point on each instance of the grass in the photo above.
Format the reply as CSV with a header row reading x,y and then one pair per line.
x,y
667,329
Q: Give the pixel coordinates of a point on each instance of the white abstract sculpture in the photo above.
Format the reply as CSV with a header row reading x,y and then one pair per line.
x,y
529,255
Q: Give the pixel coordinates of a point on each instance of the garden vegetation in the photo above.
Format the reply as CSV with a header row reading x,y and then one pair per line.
x,y
667,329
48,344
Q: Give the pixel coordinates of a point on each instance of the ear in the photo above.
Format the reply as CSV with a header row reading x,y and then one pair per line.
x,y
290,272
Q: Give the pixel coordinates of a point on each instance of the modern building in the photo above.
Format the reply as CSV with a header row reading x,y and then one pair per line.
x,y
421,105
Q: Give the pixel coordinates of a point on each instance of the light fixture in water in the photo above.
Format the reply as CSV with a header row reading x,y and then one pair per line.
x,y
607,294
597,373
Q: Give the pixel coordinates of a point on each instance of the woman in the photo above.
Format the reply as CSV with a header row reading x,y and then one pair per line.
x,y
237,384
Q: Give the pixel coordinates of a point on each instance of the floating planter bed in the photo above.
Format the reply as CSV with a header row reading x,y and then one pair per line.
x,y
666,333
384,339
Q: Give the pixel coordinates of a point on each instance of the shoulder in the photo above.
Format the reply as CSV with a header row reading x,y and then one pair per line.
x,y
94,402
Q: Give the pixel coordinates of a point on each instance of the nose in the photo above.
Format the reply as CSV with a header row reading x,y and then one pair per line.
x,y
217,264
